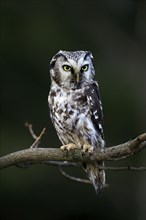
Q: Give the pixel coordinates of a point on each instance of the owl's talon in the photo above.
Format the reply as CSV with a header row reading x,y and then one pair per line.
x,y
88,148
68,147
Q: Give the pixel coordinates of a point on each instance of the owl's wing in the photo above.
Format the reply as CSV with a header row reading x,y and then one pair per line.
x,y
94,101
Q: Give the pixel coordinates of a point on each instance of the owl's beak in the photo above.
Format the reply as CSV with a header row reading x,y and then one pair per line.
x,y
77,77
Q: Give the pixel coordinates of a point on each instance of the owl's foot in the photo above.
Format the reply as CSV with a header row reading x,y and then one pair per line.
x,y
69,147
88,148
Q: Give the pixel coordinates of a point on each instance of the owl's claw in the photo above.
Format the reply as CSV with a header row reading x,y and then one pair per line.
x,y
68,147
88,148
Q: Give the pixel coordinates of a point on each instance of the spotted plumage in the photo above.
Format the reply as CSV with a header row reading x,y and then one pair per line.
x,y
76,108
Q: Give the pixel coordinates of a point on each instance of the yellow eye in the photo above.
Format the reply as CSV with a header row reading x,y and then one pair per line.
x,y
85,68
66,68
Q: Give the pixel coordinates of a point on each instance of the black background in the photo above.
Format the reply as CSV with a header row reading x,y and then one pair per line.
x,y
31,33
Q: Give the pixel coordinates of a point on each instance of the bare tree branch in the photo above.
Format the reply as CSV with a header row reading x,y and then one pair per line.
x,y
78,164
110,168
74,178
38,155
128,168
29,126
36,138
80,180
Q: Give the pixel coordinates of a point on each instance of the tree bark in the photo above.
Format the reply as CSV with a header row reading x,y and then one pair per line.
x,y
37,155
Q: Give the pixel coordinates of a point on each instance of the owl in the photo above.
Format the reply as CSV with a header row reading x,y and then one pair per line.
x,y
76,108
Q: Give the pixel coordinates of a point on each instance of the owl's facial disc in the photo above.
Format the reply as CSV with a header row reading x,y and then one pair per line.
x,y
72,69
76,70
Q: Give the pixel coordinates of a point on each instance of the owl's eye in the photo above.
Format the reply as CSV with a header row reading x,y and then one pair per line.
x,y
85,68
66,68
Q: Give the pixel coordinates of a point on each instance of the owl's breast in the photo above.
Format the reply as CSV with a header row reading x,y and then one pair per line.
x,y
71,116
67,108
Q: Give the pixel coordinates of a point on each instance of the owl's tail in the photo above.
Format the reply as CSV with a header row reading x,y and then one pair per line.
x,y
96,175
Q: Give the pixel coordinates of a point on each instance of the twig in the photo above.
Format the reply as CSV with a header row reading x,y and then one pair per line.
x,y
109,168
29,126
36,142
80,180
73,178
34,136
77,164
128,168
60,163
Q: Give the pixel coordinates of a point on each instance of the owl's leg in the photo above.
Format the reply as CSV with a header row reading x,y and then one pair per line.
x,y
88,148
69,147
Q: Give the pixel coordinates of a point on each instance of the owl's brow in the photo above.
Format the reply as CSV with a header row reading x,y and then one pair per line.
x,y
52,63
88,54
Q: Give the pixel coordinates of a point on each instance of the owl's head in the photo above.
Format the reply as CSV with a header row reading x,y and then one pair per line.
x,y
71,69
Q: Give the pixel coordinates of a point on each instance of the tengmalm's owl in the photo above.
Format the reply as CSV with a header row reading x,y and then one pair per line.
x,y
76,108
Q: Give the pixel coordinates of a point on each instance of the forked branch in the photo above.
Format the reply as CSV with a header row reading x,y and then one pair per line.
x,y
40,155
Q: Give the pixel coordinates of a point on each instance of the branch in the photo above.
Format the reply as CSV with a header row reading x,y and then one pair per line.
x,y
36,138
38,155
72,164
65,163
74,178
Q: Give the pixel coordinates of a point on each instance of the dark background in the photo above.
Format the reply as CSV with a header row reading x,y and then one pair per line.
x,y
31,33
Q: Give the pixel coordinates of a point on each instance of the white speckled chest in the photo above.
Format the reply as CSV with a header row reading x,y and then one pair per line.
x,y
71,116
